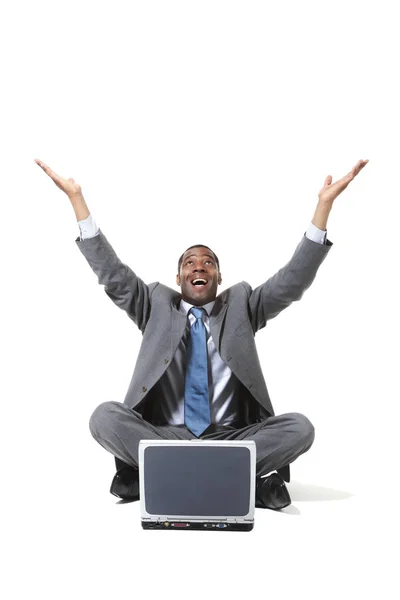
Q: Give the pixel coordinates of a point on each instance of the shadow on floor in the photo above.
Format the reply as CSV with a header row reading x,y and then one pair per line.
x,y
303,492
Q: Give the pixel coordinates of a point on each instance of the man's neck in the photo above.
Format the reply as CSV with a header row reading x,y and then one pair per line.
x,y
186,306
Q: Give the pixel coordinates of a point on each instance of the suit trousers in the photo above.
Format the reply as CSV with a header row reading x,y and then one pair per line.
x,y
279,439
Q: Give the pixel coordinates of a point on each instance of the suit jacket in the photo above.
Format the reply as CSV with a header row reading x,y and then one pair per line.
x,y
238,313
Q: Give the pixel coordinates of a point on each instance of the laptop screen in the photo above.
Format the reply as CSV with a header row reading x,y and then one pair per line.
x,y
198,480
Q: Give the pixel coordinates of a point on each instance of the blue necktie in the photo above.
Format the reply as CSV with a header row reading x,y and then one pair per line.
x,y
197,406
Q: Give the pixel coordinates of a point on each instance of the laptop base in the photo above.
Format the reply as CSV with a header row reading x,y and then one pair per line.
x,y
182,525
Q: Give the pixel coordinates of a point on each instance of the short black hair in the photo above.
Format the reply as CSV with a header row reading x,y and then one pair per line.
x,y
197,246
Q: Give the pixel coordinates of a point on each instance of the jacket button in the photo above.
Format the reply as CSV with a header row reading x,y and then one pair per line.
x,y
166,361
144,389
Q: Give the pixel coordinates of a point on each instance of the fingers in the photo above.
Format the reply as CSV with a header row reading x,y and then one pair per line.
x,y
328,180
354,171
43,165
47,170
360,165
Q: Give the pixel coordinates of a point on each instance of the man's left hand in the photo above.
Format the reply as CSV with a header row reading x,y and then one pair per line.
x,y
330,191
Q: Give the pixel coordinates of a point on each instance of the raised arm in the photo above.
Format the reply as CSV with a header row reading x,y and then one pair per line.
x,y
122,285
290,282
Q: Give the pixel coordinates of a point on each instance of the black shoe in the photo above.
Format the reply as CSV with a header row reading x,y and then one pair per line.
x,y
271,492
125,484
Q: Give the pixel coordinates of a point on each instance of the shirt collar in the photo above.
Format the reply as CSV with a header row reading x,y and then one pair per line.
x,y
185,307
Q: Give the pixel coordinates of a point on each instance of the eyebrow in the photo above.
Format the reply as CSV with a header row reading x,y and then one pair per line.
x,y
209,255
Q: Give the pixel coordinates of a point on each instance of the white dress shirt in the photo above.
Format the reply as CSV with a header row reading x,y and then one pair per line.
x,y
168,393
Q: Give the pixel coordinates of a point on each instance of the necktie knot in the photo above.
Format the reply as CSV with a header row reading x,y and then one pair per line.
x,y
197,312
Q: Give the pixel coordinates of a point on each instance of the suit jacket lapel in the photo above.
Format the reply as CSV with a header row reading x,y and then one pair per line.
x,y
216,319
178,324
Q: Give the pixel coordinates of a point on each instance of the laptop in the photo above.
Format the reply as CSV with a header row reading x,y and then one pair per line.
x,y
197,484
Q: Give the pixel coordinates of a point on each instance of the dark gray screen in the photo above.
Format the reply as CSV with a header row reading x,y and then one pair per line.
x,y
197,480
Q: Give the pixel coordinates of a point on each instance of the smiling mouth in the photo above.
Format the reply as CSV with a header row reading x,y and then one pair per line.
x,y
199,282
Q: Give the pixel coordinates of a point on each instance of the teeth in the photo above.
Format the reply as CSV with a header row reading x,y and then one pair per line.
x,y
199,280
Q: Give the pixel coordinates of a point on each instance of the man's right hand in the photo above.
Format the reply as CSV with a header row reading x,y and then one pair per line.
x,y
69,186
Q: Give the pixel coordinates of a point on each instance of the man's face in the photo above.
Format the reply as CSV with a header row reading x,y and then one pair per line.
x,y
199,276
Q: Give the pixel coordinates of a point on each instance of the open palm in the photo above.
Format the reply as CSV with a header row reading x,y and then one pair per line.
x,y
69,186
330,191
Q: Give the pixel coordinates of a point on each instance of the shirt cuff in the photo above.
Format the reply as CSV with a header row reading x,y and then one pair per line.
x,y
88,228
315,234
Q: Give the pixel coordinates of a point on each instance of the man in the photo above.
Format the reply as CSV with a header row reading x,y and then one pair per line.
x,y
198,373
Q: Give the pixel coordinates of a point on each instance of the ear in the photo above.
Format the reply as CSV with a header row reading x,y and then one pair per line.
x,y
219,279
178,280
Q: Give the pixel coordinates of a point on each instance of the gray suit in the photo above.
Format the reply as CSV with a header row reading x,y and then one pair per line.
x,y
239,312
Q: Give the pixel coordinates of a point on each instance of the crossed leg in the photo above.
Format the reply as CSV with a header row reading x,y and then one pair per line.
x,y
279,439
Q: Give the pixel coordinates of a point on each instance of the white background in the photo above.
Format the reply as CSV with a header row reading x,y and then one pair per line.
x,y
209,122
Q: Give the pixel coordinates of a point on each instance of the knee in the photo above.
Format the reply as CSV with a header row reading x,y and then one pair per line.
x,y
101,417
304,428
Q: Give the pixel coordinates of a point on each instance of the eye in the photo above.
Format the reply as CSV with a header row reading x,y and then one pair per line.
x,y
210,262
